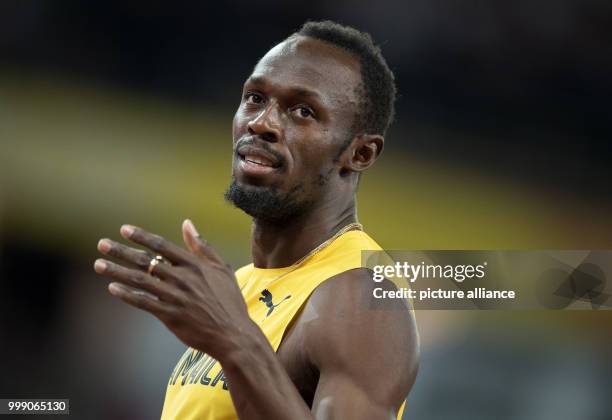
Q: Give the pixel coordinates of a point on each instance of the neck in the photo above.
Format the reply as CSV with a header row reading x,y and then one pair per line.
x,y
275,246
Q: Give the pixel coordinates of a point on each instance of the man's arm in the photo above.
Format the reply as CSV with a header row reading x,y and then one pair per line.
x,y
366,349
366,352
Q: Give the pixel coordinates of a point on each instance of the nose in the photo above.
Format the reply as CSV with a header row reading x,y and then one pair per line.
x,y
267,123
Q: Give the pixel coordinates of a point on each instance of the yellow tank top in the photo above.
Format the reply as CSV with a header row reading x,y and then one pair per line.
x,y
197,388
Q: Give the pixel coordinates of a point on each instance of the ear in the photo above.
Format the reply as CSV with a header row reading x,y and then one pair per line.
x,y
362,153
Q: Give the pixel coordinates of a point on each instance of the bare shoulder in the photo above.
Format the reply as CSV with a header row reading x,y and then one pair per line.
x,y
348,331
353,290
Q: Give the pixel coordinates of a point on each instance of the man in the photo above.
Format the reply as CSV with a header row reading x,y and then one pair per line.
x,y
296,334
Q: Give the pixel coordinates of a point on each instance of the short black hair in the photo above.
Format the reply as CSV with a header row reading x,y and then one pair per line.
x,y
377,91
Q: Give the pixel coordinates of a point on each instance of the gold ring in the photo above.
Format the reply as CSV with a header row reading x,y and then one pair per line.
x,y
154,261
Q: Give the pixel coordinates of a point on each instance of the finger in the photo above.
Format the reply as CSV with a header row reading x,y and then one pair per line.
x,y
191,237
140,300
136,257
156,243
197,244
137,279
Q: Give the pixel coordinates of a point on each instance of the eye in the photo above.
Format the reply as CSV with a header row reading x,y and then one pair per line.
x,y
303,111
253,98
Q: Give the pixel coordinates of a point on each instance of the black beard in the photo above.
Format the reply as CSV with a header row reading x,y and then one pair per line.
x,y
267,204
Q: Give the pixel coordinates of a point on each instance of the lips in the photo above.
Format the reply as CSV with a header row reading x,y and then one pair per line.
x,y
259,161
256,156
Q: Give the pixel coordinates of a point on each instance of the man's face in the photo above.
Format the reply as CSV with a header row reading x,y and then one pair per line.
x,y
298,108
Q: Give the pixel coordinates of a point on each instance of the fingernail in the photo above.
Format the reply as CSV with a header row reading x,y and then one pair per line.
x,y
127,230
191,228
99,266
104,245
114,288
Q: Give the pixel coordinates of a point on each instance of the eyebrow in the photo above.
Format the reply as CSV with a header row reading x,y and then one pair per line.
x,y
299,91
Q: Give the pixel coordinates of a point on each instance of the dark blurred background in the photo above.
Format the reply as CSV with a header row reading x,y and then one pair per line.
x,y
120,112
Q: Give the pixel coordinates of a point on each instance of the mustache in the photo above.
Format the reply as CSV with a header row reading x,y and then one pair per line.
x,y
254,141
